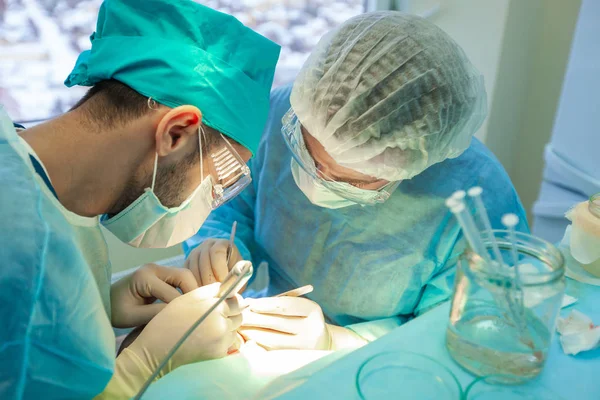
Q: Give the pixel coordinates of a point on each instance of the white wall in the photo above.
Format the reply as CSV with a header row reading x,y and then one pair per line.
x,y
478,26
531,72
521,47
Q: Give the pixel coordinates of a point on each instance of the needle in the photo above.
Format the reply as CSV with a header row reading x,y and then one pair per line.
x,y
231,239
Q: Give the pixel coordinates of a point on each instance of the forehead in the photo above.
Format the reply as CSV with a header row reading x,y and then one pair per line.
x,y
322,157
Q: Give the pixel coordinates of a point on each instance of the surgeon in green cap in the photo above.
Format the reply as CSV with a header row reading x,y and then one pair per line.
x,y
178,100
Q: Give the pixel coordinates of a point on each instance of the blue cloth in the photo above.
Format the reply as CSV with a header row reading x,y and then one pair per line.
x,y
365,263
570,377
181,52
334,376
56,341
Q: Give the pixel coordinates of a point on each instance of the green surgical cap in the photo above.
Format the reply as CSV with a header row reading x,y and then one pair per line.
x,y
179,52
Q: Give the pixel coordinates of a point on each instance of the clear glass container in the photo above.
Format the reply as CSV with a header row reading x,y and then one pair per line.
x,y
500,325
485,389
406,375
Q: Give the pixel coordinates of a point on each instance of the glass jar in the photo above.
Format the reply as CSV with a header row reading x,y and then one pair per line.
x,y
500,325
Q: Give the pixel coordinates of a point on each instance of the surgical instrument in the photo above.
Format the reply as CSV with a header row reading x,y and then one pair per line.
x,y
231,239
475,194
301,291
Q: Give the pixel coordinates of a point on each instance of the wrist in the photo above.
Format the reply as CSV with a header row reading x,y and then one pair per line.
x,y
143,357
132,360
343,338
128,378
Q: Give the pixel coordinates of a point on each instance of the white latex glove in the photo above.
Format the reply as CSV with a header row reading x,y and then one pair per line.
x,y
285,323
208,262
133,297
214,338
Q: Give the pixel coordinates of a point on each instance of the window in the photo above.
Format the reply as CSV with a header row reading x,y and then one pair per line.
x,y
40,41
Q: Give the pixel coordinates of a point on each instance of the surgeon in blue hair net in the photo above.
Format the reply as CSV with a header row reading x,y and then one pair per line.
x,y
172,84
350,178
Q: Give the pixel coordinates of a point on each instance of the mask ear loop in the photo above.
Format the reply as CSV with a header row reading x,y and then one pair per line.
x,y
153,105
155,169
200,134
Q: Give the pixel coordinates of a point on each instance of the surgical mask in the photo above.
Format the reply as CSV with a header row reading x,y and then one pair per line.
x,y
324,192
149,224
318,194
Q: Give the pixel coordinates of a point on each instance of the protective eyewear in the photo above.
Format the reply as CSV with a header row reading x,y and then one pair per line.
x,y
230,173
295,142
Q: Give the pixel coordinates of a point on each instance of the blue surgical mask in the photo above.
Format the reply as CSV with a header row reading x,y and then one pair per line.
x,y
318,194
149,224
322,192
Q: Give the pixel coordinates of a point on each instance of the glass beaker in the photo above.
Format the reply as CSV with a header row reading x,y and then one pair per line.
x,y
499,327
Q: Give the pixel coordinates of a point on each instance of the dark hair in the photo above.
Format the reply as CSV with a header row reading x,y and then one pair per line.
x,y
110,103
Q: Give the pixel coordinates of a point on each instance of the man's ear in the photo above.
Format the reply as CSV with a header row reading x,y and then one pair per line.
x,y
176,128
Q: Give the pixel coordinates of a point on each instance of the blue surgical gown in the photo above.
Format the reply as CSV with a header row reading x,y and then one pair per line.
x,y
378,262
56,341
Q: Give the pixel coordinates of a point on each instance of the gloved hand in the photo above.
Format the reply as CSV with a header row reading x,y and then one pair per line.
x,y
214,338
208,262
133,297
285,323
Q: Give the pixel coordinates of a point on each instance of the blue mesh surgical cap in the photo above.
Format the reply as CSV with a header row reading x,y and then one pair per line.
x,y
180,52
389,94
